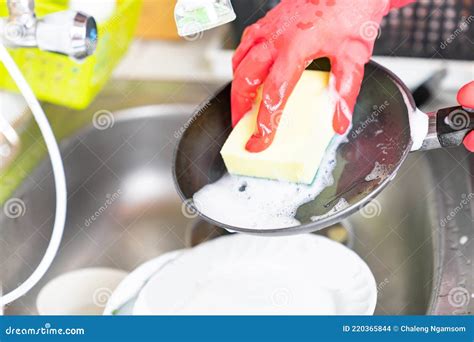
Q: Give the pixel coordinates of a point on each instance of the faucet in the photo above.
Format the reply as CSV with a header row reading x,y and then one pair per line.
x,y
69,33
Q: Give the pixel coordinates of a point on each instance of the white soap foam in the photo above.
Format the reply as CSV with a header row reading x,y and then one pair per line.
x,y
254,203
419,123
380,171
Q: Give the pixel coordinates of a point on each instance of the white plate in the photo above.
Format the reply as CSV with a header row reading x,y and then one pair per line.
x,y
123,298
246,275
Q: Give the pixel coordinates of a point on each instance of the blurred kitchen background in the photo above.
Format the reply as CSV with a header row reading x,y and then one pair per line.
x,y
433,31
141,61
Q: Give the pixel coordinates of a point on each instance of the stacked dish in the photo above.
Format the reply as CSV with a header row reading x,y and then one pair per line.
x,y
245,275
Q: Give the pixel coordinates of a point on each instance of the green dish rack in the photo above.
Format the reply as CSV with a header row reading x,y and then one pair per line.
x,y
60,79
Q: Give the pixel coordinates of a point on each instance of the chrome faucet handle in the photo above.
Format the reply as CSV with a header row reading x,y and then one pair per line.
x,y
67,32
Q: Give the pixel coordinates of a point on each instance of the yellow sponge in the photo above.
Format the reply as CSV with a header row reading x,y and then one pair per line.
x,y
304,132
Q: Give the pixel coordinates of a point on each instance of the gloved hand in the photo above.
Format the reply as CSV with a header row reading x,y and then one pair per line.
x,y
276,50
466,99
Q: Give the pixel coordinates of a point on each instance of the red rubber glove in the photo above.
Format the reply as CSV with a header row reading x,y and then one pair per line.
x,y
276,50
466,99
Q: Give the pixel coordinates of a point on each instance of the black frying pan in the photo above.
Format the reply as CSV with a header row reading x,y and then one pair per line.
x,y
198,162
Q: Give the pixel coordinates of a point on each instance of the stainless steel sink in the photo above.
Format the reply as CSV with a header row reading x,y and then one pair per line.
x,y
123,211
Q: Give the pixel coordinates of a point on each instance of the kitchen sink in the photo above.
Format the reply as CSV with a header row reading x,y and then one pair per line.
x,y
123,210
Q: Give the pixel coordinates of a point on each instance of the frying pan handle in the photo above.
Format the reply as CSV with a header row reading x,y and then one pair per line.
x,y
449,127
453,125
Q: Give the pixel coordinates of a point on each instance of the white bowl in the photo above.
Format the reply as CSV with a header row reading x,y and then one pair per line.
x,y
80,292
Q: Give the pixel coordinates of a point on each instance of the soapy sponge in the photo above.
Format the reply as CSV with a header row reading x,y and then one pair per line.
x,y
304,132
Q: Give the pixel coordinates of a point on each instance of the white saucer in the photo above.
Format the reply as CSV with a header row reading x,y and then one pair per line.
x,y
246,275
